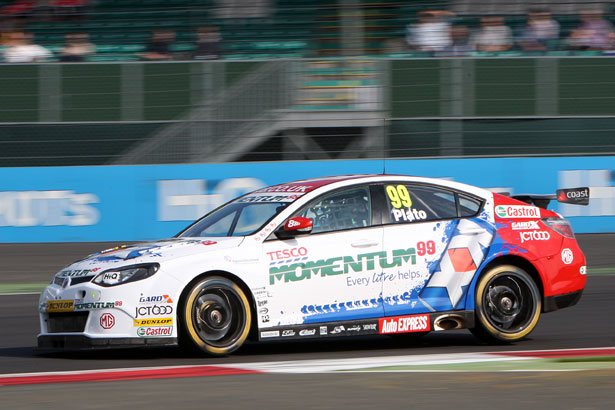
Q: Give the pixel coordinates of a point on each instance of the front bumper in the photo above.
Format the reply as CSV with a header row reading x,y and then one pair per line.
x,y
76,342
88,316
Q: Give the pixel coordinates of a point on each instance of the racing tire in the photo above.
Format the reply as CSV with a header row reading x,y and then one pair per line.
x,y
508,305
215,316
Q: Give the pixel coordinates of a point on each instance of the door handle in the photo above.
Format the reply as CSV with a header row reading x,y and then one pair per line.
x,y
363,244
472,231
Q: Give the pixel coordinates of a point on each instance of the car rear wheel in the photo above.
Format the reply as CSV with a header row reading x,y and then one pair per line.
x,y
216,316
508,305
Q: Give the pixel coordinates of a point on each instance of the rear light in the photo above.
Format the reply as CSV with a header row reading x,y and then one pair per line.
x,y
559,225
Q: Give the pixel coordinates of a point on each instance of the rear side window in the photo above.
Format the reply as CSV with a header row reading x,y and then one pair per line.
x,y
468,206
409,203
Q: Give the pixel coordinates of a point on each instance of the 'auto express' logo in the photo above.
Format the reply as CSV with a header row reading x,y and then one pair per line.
x,y
154,310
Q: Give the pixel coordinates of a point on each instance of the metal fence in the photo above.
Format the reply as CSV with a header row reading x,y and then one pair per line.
x,y
247,80
219,111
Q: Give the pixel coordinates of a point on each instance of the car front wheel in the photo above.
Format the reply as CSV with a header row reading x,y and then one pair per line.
x,y
216,316
508,304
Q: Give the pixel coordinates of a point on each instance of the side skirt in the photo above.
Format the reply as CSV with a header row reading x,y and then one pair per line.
x,y
424,322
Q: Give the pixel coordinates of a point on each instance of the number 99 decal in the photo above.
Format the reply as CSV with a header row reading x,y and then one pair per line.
x,y
399,196
428,248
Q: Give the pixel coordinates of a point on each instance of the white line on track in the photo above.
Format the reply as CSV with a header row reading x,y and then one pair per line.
x,y
460,371
352,365
327,365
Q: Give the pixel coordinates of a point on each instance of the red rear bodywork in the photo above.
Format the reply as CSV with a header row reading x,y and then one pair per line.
x,y
559,261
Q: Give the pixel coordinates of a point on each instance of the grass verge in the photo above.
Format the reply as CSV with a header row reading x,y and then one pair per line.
x,y
22,287
608,270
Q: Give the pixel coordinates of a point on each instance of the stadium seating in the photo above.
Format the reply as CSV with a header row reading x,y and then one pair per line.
x,y
121,28
292,28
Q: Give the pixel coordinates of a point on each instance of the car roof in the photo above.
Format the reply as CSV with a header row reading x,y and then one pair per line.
x,y
290,191
304,186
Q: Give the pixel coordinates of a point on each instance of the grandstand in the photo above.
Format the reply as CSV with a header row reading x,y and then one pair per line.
x,y
121,29
311,79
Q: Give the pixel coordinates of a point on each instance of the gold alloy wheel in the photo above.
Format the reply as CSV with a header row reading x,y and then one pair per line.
x,y
508,304
216,315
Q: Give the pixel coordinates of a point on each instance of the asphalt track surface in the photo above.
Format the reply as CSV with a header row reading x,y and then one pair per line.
x,y
591,323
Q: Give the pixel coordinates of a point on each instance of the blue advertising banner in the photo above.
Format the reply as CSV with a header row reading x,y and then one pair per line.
x,y
130,203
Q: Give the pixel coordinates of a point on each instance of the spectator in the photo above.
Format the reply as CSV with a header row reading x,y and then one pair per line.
x,y
22,50
594,33
460,43
432,32
159,48
207,44
540,32
493,35
77,48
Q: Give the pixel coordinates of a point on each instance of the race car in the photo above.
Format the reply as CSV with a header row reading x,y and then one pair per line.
x,y
327,257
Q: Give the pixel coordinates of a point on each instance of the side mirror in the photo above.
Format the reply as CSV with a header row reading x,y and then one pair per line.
x,y
295,226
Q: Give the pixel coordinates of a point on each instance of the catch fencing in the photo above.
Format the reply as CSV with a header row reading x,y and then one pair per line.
x,y
296,109
146,202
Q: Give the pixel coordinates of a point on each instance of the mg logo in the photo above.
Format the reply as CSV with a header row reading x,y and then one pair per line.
x,y
567,256
107,320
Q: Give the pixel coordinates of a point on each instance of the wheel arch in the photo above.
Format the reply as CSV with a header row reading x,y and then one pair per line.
x,y
230,276
514,260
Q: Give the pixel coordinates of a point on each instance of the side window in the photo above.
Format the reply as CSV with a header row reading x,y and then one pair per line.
x,y
468,206
252,217
340,210
409,203
220,227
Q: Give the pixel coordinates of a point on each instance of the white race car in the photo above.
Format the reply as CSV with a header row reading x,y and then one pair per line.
x,y
330,257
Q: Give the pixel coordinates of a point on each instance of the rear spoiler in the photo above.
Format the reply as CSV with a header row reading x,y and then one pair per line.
x,y
572,196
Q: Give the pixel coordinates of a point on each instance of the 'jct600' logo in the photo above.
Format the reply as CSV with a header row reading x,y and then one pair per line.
x,y
154,310
534,236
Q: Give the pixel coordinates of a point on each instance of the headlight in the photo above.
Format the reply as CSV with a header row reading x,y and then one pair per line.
x,y
126,274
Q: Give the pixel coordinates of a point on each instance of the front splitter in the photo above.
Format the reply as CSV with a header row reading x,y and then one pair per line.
x,y
79,342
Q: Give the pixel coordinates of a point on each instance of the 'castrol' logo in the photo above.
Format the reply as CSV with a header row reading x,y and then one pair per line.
x,y
155,331
517,211
535,236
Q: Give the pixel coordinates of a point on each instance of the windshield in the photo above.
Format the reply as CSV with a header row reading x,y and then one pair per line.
x,y
235,219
